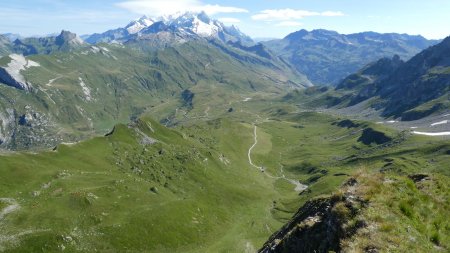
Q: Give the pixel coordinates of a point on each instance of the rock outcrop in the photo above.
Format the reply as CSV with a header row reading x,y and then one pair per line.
x,y
320,225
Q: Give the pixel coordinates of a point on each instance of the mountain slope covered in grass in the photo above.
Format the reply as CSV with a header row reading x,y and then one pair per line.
x,y
179,134
193,187
67,95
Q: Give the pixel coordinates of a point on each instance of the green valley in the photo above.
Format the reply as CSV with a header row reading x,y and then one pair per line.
x,y
179,133
145,187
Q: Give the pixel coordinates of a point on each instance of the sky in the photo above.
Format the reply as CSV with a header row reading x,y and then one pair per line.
x,y
257,18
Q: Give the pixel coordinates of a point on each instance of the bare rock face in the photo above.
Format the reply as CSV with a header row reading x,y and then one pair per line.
x,y
11,74
320,225
68,38
6,121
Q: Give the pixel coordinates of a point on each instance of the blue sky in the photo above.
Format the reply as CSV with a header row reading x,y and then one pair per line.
x,y
258,18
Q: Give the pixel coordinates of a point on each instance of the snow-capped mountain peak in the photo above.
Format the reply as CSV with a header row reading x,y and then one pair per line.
x,y
137,25
198,23
184,25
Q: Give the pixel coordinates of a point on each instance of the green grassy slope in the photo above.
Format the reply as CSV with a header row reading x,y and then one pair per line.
x,y
372,211
115,193
193,189
88,91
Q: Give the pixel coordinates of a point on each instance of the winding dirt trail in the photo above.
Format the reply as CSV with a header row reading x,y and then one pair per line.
x,y
299,187
249,154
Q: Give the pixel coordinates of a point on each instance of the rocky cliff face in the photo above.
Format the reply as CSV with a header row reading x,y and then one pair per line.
x,y
320,225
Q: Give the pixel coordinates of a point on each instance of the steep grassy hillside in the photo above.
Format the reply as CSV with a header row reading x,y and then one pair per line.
x,y
215,184
71,95
141,188
372,212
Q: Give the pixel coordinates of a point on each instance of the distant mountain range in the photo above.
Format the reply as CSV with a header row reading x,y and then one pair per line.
x,y
64,42
326,57
68,88
408,90
187,25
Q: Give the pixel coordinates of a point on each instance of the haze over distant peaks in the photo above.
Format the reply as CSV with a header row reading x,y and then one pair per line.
x,y
326,57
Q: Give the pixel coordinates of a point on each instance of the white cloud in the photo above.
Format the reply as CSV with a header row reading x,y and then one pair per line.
x,y
230,20
332,14
289,24
291,14
214,9
167,7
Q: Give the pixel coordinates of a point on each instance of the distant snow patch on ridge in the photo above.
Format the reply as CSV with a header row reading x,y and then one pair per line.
x,y
95,49
13,76
99,50
440,123
86,89
432,134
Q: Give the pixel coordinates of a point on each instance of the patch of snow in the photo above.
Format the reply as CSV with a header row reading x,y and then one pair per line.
x,y
374,40
387,122
17,64
86,89
440,123
432,134
204,29
136,26
69,143
246,99
104,49
414,127
95,49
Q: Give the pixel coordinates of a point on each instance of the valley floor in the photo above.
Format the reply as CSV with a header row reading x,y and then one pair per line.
x,y
223,178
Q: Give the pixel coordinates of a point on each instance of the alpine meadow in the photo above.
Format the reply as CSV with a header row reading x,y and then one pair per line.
x,y
224,126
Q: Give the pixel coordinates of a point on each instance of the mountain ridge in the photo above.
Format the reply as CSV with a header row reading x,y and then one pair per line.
x,y
327,57
185,24
407,90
